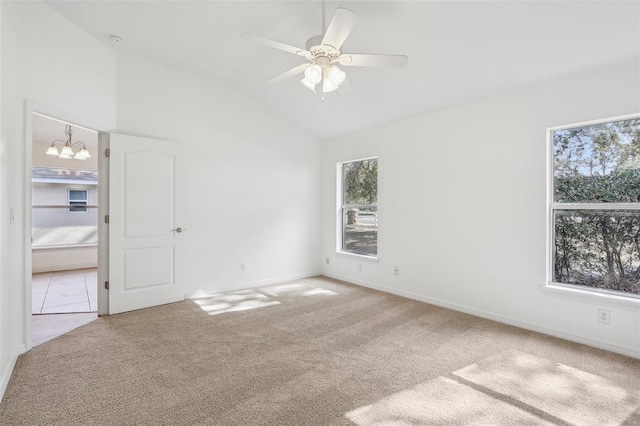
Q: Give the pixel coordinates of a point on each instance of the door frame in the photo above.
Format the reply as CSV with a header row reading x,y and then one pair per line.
x,y
32,108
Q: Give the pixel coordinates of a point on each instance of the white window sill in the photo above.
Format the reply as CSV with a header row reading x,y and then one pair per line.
x,y
355,256
594,297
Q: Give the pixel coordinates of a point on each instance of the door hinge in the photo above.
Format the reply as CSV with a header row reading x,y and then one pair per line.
x,y
106,285
107,152
106,218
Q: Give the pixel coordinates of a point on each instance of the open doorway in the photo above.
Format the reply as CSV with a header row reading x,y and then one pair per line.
x,y
64,227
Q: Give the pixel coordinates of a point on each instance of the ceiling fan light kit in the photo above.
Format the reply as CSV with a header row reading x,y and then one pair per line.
x,y
324,55
331,76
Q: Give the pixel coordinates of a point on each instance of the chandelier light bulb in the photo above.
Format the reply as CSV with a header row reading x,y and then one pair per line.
x,y
313,74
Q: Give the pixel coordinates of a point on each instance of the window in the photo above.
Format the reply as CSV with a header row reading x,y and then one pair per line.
x,y
595,206
78,197
358,189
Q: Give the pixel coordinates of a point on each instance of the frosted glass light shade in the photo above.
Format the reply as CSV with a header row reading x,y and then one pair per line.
x,y
313,74
66,150
312,87
336,75
83,154
52,150
328,86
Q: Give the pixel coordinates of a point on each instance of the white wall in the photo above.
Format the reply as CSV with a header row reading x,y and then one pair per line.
x,y
56,66
253,179
64,259
4,365
462,206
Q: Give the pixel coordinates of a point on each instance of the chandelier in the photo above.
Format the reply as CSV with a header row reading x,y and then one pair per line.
x,y
67,152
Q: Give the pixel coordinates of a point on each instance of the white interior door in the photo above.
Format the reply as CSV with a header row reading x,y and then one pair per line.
x,y
146,229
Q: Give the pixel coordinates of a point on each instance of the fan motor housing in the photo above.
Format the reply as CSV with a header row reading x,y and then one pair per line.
x,y
318,50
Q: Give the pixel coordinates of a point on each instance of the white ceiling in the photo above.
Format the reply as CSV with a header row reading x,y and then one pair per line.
x,y
458,51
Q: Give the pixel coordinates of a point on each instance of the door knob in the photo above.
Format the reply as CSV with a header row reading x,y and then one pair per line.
x,y
178,230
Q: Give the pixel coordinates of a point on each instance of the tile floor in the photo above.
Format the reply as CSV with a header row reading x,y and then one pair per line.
x,y
65,291
46,327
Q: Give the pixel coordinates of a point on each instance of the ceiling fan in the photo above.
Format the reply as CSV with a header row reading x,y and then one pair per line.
x,y
325,57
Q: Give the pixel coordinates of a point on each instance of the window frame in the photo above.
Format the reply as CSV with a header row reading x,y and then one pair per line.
x,y
342,207
575,289
79,208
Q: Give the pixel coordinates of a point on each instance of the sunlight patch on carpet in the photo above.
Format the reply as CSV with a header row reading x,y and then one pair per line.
x,y
234,301
242,300
295,290
441,401
513,387
567,393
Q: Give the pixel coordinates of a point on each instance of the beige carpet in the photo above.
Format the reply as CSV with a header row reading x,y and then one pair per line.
x,y
316,352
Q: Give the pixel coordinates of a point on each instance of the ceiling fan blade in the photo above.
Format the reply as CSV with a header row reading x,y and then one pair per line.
x,y
275,44
365,60
339,28
290,73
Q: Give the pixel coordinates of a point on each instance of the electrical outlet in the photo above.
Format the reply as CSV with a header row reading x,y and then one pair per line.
x,y
396,270
326,260
359,267
243,266
604,315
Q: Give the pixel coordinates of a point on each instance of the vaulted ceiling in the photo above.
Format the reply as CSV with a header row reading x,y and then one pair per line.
x,y
458,51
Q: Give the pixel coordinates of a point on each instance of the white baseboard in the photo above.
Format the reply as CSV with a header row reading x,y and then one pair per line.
x,y
52,267
620,349
253,284
8,370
